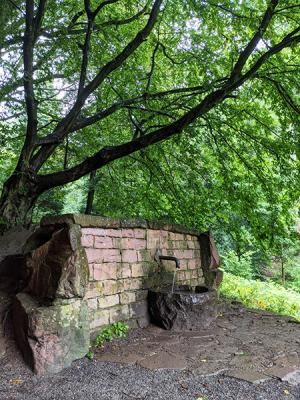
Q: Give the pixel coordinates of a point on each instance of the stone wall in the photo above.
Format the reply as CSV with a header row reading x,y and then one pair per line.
x,y
78,273
122,267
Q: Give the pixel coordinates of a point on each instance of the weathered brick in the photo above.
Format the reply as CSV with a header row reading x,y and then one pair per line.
x,y
194,273
144,255
190,244
105,271
112,287
93,303
99,319
180,276
163,234
172,236
127,233
183,264
129,256
111,255
95,289
103,242
117,242
113,232
87,240
93,231
108,301
132,284
94,255
196,244
133,243
139,233
153,233
137,270
181,244
179,236
127,297
125,270
192,264
119,313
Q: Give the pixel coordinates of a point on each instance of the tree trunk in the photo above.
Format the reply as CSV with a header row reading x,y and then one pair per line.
x,y
17,201
91,193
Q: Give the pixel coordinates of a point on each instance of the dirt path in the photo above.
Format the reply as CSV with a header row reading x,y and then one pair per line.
x,y
220,363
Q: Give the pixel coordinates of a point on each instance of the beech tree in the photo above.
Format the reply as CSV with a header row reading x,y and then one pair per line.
x,y
110,78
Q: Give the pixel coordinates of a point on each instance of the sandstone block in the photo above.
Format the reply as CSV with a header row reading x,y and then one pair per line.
x,y
111,255
103,242
127,233
127,297
98,319
108,301
138,270
129,256
87,241
93,231
125,270
58,267
51,337
119,313
112,287
105,271
139,233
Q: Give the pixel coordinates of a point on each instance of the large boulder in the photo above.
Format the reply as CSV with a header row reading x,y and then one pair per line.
x,y
51,337
58,265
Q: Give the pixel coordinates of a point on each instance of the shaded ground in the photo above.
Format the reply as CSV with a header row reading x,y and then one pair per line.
x,y
214,364
242,343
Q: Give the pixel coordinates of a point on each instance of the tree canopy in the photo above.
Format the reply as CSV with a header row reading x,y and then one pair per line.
x,y
86,83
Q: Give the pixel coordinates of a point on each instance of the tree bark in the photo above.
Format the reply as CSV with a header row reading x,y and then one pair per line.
x,y
17,201
91,193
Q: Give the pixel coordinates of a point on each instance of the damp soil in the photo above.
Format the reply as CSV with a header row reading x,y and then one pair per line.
x,y
245,354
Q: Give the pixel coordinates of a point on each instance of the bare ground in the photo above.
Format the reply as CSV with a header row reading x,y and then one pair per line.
x,y
246,354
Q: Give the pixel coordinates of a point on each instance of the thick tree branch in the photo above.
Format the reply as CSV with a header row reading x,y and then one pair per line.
x,y
106,155
248,50
66,124
86,46
81,123
31,106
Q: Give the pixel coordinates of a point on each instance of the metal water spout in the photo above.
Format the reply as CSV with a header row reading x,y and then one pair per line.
x,y
158,257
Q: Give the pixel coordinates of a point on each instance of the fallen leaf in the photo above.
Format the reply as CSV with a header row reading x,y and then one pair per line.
x,y
16,381
286,392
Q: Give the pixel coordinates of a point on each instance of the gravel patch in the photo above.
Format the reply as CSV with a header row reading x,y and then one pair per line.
x,y
92,380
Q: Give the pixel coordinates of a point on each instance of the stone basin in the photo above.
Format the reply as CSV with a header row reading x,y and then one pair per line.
x,y
183,309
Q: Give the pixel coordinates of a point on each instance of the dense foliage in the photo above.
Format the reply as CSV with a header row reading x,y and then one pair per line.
x,y
262,295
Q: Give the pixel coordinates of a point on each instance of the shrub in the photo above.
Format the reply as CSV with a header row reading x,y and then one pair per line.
x,y
262,295
238,266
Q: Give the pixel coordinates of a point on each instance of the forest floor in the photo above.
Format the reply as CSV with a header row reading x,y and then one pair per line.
x,y
245,355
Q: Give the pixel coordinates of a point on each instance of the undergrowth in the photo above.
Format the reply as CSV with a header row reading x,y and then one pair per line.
x,y
261,295
107,334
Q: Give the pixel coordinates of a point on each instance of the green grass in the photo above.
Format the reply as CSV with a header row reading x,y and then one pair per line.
x,y
261,295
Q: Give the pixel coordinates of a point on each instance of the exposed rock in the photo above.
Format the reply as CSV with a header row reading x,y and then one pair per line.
x,y
5,302
50,338
11,242
59,267
183,309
